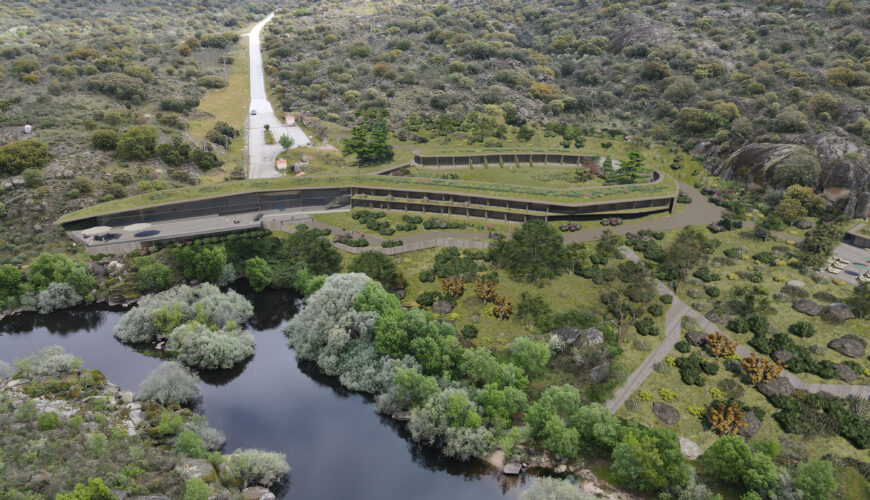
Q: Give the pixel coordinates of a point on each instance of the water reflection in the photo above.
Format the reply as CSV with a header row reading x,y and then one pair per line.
x,y
338,446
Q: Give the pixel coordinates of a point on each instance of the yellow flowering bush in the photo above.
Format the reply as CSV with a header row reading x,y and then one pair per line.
x,y
644,395
667,394
779,262
779,278
839,282
716,393
671,360
733,276
697,411
790,242
867,372
745,257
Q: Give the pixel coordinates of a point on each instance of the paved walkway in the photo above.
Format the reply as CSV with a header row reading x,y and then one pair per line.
x,y
673,334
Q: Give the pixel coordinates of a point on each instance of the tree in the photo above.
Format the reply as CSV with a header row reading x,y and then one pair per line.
x,y
368,140
816,479
536,251
10,280
817,247
310,246
137,143
259,273
608,243
629,168
196,489
95,490
17,156
379,267
154,277
801,168
532,307
286,142
530,355
649,460
689,250
170,383
730,460
203,264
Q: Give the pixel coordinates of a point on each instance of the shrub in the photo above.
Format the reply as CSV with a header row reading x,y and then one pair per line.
x,y
17,156
204,348
690,370
667,299
154,277
170,383
683,346
50,361
428,298
104,139
196,489
189,443
48,421
706,275
379,267
803,329
258,466
469,331
655,309
712,291
427,276
137,143
646,327
57,296
738,325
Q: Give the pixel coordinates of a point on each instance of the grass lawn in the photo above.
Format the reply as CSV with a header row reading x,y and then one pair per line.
x,y
774,278
230,105
544,176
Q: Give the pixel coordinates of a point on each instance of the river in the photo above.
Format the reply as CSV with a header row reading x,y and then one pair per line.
x,y
336,444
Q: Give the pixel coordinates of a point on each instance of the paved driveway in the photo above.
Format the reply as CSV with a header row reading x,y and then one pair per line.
x,y
261,156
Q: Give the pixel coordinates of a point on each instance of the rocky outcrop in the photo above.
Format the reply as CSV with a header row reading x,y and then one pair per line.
x,y
689,448
808,307
849,345
666,413
779,385
589,337
697,339
845,372
845,173
512,469
442,307
197,468
838,312
257,493
753,424
781,356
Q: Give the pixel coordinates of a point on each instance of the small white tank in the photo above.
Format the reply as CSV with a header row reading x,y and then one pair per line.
x,y
28,129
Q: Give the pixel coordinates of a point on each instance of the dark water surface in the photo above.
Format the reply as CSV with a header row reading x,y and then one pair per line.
x,y
338,447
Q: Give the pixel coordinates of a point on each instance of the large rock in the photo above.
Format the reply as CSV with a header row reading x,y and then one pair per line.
x,y
753,424
495,460
442,307
600,372
781,356
512,469
666,413
568,334
849,345
808,307
795,284
689,448
200,468
696,338
845,372
838,312
257,493
716,318
779,385
587,338
592,337
803,224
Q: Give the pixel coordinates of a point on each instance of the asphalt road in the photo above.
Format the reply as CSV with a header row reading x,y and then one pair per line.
x,y
261,156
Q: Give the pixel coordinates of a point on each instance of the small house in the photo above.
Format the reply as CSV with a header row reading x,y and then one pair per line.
x,y
290,120
281,164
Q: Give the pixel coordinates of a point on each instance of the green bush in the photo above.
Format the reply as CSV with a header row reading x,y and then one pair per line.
x,y
738,325
428,298
17,156
666,299
655,309
803,329
469,331
427,276
712,291
683,346
189,443
646,327
48,421
196,489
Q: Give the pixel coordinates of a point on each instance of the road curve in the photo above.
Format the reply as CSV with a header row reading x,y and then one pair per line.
x,y
261,156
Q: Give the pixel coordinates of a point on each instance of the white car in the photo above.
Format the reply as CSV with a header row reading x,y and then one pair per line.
x,y
253,111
